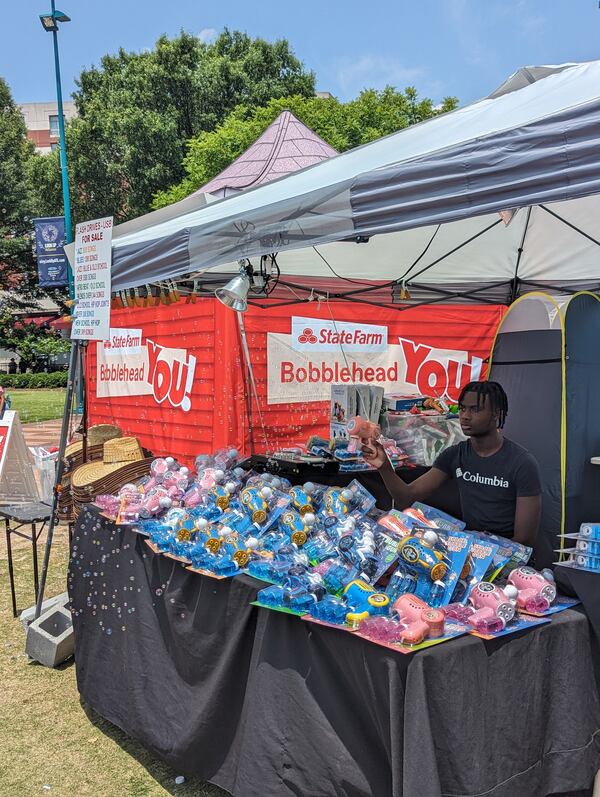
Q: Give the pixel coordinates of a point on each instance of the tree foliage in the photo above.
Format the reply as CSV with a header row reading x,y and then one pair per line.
x,y
17,264
136,112
343,125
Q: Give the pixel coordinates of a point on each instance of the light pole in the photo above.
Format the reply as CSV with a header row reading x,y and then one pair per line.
x,y
50,23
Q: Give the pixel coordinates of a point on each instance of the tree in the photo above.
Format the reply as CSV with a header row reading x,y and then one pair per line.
x,y
137,111
343,125
29,340
18,275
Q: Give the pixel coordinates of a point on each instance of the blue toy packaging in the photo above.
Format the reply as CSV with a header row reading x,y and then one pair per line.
x,y
441,519
480,557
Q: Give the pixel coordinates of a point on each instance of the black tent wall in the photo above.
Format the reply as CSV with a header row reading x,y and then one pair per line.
x,y
548,360
582,362
528,365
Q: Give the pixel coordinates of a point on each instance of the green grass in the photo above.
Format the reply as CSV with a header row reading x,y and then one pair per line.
x,y
46,737
37,405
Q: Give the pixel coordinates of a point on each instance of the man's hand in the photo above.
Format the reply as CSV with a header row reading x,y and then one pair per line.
x,y
374,454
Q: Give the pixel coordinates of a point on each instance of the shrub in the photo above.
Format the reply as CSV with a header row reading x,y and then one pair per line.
x,y
34,381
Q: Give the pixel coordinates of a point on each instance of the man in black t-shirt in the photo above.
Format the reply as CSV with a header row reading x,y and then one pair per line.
x,y
498,480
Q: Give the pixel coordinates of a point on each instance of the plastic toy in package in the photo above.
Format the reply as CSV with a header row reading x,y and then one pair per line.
x,y
457,545
363,600
361,553
422,570
399,524
298,593
296,526
330,610
336,574
536,593
319,548
386,630
441,519
301,498
590,531
586,553
480,557
339,501
489,610
263,504
510,554
419,620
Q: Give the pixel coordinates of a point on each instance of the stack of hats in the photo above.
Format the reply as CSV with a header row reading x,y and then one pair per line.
x,y
123,461
96,437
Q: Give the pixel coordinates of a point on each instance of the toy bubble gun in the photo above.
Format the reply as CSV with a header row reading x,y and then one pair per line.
x,y
493,607
535,593
419,620
361,431
428,564
363,601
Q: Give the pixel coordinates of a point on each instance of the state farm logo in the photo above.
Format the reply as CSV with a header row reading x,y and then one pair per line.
x,y
307,336
314,334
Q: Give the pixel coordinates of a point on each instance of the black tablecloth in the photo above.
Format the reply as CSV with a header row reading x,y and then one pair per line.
x,y
267,705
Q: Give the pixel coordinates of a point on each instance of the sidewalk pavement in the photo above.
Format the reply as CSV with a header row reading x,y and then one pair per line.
x,y
45,433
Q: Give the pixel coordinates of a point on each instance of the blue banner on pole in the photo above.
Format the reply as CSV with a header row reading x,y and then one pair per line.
x,y
51,258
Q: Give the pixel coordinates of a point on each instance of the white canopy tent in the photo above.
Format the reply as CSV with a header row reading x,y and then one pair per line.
x,y
423,203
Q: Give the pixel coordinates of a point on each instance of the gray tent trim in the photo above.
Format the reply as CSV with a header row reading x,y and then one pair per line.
x,y
532,143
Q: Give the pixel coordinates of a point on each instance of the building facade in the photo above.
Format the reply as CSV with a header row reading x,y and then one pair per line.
x,y
41,120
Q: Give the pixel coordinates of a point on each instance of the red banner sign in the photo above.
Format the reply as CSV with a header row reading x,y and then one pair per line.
x,y
175,376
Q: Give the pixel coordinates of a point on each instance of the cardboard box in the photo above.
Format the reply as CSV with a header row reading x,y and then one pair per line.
x,y
398,403
343,403
376,403
338,431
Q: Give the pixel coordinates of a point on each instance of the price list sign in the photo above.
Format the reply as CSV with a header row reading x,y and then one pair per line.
x,y
93,248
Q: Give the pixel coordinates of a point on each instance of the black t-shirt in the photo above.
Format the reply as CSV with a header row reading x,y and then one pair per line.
x,y
489,486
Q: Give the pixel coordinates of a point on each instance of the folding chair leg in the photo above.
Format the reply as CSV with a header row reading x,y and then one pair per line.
x,y
11,574
36,583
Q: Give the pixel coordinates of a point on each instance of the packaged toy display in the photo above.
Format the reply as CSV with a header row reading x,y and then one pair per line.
x,y
586,553
480,557
363,600
422,570
489,608
535,591
419,620
328,554
441,519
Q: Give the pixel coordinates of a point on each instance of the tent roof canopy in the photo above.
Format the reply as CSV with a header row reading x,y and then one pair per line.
x,y
426,198
286,146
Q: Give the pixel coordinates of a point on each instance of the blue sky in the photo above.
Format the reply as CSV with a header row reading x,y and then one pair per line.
x,y
463,48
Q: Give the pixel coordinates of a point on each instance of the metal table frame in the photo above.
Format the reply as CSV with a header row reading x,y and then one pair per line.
x,y
15,518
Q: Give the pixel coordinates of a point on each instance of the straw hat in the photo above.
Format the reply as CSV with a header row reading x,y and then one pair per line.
x,y
118,453
96,436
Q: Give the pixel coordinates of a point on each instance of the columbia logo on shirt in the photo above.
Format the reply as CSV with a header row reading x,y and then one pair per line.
x,y
491,481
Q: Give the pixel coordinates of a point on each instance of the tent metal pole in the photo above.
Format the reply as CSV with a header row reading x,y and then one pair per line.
x,y
572,226
463,294
558,288
452,251
74,363
515,281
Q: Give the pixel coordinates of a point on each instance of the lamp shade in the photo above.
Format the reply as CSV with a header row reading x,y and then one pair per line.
x,y
235,293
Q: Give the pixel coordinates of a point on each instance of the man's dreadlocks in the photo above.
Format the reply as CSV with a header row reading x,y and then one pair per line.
x,y
496,396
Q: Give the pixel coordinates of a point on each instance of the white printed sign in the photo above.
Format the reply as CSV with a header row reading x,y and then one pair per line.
x,y
91,272
17,479
123,341
127,367
316,334
407,368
